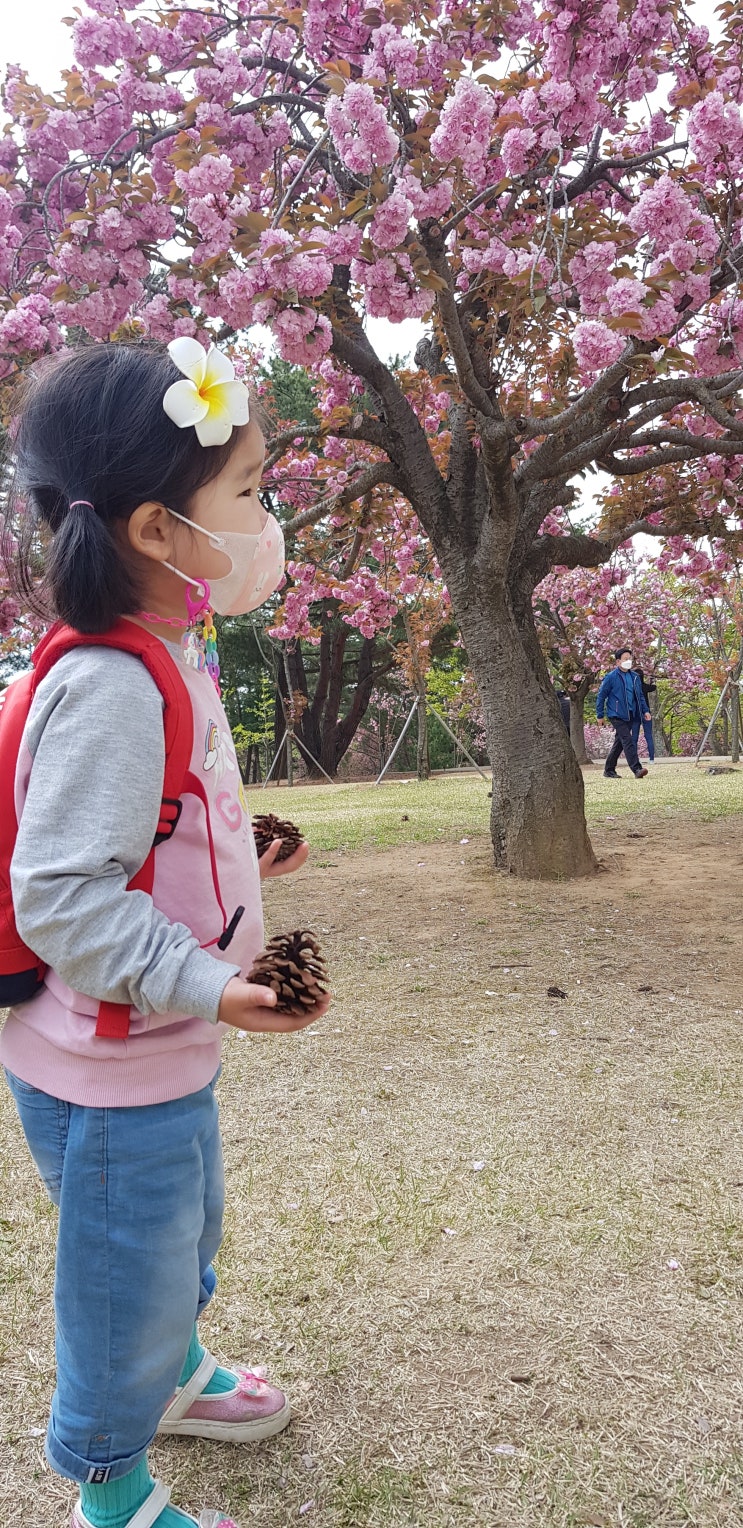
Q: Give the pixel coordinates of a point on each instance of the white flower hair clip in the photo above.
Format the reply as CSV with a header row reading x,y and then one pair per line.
x,y
212,399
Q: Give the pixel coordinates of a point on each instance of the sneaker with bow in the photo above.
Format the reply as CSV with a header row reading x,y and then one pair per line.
x,y
155,1504
251,1411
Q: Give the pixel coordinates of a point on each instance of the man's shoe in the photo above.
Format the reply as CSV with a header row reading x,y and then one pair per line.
x,y
611,774
640,774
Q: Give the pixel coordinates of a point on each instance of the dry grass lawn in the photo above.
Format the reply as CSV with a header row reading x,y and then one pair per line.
x,y
490,1240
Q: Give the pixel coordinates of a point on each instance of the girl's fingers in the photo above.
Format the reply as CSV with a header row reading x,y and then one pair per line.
x,y
284,867
286,1023
268,860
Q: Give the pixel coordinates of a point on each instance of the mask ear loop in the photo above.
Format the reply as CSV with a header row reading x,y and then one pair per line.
x,y
196,607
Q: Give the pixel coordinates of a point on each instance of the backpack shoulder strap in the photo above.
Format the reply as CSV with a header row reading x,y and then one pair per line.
x,y
128,638
113,1018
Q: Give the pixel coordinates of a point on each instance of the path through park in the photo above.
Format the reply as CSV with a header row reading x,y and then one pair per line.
x,y
490,1239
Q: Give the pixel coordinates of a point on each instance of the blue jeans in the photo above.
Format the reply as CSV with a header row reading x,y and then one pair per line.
x,y
647,728
140,1194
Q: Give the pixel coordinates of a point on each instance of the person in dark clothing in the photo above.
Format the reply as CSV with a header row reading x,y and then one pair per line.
x,y
620,697
564,704
646,721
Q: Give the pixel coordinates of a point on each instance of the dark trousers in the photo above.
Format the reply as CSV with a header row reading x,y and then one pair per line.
x,y
623,740
647,728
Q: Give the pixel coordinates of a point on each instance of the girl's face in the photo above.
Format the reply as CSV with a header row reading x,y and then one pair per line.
x,y
228,503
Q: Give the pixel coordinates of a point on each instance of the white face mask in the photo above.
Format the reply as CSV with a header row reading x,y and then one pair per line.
x,y
257,566
626,663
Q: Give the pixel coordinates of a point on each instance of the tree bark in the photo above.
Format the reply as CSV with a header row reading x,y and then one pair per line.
x,y
658,734
537,818
578,722
735,725
423,762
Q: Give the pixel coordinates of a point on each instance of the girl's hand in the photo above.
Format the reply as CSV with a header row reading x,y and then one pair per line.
x,y
244,1005
267,862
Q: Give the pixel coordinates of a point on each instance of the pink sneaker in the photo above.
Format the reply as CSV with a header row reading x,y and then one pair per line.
x,y
158,1499
253,1410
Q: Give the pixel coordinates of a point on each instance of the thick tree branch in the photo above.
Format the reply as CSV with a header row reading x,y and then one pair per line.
x,y
696,445
431,235
562,423
405,442
372,477
577,550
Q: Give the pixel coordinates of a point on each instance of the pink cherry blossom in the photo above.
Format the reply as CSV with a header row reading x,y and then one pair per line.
x,y
361,133
465,127
595,346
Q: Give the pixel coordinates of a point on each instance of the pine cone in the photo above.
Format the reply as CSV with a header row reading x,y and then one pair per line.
x,y
267,828
294,967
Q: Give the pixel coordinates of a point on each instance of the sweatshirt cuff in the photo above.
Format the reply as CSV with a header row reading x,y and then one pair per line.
x,y
200,984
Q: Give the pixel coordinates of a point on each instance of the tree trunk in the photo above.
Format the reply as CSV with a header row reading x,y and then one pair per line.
x,y
423,762
537,818
578,722
735,727
325,732
658,734
279,725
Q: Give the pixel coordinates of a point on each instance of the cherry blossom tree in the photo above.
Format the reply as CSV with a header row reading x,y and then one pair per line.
x,y
583,613
495,172
373,573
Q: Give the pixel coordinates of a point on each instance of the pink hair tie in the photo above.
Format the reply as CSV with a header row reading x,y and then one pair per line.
x,y
86,504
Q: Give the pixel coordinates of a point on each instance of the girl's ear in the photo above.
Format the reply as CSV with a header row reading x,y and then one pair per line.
x,y
150,531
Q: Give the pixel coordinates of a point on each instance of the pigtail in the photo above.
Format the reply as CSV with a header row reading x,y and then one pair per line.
x,y
88,581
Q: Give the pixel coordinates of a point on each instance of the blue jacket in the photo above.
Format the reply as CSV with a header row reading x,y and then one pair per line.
x,y
612,696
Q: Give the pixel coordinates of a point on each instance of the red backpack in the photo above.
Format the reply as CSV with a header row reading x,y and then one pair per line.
x,y
21,971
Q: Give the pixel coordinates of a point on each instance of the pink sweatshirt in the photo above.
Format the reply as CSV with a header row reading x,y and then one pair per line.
x,y
88,789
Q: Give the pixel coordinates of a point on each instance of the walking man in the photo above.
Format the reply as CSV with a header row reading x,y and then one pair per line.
x,y
620,696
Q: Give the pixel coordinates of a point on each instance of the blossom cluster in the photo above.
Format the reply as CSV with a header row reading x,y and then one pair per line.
x,y
202,170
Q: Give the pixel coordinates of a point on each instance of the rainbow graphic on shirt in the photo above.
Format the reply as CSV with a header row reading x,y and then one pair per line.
x,y
211,745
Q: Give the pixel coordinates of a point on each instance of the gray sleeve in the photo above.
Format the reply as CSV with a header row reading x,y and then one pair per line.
x,y
95,733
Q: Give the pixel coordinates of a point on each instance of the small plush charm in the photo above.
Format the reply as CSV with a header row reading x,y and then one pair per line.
x,y
269,827
293,966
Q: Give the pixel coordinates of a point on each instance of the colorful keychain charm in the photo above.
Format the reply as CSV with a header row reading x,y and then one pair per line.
x,y
199,641
209,637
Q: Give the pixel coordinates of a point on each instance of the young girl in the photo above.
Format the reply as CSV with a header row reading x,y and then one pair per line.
x,y
143,467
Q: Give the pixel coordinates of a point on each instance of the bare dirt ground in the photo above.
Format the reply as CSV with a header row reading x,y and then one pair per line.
x,y
490,1240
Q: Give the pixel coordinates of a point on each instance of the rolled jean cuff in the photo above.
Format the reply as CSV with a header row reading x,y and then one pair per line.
x,y
73,1467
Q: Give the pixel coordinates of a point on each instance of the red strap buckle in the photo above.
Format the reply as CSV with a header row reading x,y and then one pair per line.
x,y
170,816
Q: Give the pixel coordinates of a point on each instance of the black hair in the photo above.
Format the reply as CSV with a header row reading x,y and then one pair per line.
x,y
92,427
620,652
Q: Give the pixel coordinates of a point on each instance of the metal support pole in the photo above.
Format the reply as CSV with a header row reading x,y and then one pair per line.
x,y
715,715
311,756
413,710
276,760
458,741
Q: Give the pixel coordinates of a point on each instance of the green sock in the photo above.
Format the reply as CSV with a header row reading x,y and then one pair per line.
x,y
114,1504
221,1381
